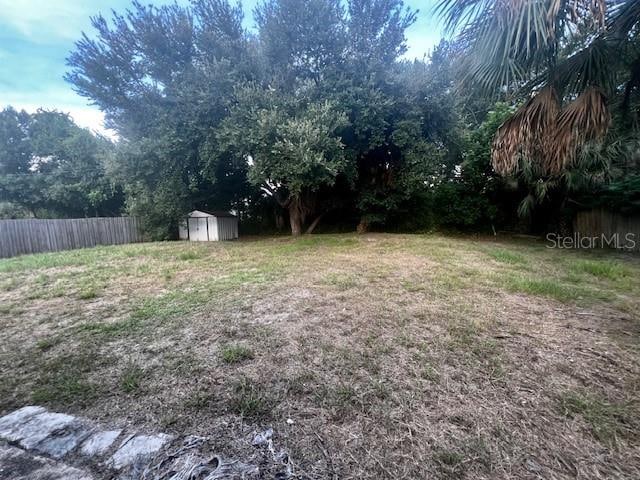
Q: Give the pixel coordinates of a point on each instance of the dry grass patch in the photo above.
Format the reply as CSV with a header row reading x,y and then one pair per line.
x,y
375,356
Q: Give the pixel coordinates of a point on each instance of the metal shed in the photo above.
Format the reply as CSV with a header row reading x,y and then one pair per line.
x,y
202,226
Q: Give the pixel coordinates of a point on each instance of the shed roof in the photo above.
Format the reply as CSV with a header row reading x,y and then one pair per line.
x,y
215,213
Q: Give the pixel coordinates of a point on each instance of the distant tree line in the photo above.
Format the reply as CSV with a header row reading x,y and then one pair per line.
x,y
316,120
50,167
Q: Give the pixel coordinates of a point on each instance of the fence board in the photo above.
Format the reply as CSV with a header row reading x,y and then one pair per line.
x,y
603,223
24,236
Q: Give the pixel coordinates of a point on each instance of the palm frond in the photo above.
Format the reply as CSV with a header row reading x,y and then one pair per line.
x,y
633,84
526,207
527,133
585,119
589,66
623,17
506,42
458,14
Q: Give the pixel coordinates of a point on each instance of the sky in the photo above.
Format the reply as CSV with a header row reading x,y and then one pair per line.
x,y
37,35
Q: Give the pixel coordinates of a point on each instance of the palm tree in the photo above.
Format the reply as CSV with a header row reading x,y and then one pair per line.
x,y
566,56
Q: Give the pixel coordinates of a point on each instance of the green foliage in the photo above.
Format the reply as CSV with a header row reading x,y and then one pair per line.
x,y
12,210
620,195
15,148
165,92
64,380
470,197
570,73
406,141
300,40
50,166
291,142
189,255
315,114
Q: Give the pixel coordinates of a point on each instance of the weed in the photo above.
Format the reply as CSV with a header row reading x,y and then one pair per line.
x,y
54,260
189,255
47,343
235,354
62,381
168,275
198,401
544,287
301,384
113,329
463,333
131,378
250,400
600,268
607,420
345,395
413,286
36,294
6,308
507,256
63,390
340,280
88,293
9,284
57,291
450,462
430,373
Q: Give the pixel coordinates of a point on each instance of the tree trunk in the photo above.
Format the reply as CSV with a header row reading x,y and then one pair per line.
x,y
279,221
314,224
363,226
295,217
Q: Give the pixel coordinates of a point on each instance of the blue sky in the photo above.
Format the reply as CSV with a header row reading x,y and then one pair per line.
x,y
37,35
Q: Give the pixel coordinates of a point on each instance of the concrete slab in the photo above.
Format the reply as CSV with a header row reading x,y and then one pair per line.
x,y
38,427
16,464
99,442
63,441
140,448
17,419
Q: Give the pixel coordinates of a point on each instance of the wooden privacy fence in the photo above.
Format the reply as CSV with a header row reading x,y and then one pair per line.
x,y
50,235
609,227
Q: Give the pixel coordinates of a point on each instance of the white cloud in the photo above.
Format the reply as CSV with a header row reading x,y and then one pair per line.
x,y
91,118
42,20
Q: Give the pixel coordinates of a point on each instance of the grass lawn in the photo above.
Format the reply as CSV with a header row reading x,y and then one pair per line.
x,y
392,356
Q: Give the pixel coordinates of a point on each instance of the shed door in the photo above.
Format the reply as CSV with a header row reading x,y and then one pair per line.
x,y
198,229
213,229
